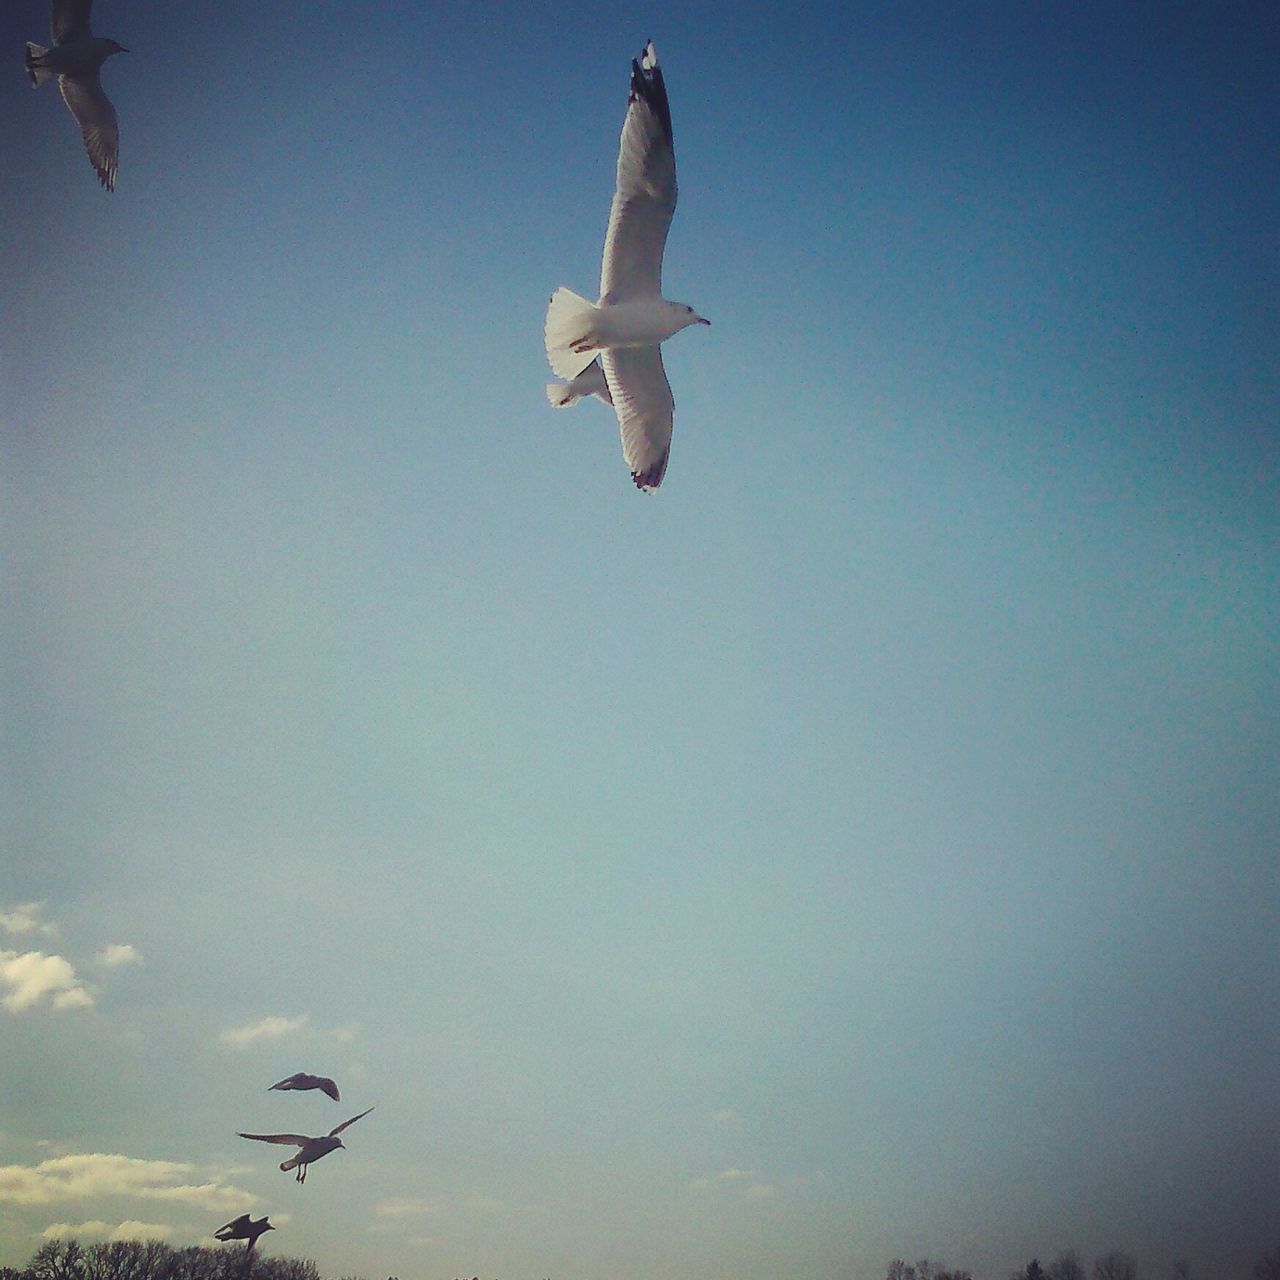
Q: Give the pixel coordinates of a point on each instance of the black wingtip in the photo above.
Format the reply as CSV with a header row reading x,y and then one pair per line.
x,y
650,478
648,86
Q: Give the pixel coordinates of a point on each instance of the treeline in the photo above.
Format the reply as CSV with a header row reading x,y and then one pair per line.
x,y
155,1260
1067,1266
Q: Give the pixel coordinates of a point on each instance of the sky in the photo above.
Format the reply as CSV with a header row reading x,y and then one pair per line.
x,y
864,847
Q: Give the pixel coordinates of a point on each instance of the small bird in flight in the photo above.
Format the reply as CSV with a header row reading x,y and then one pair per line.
x,y
631,319
244,1228
75,58
311,1148
304,1080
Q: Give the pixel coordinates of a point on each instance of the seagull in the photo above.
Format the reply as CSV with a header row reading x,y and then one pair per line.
x,y
244,1228
75,58
312,1148
590,382
303,1080
626,326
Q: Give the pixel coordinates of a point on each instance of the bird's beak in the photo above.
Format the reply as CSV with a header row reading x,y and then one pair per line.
x,y
703,320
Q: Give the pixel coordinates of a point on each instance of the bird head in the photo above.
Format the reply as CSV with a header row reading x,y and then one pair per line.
x,y
687,315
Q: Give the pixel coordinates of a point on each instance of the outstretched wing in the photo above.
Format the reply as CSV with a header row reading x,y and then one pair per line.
x,y
236,1224
284,1139
333,1133
304,1080
645,197
98,125
643,402
70,20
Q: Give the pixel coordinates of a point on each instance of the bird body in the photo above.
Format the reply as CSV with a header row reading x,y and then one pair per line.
x,y
576,330
631,318
76,57
310,1149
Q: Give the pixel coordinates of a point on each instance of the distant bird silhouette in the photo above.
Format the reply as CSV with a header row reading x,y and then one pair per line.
x,y
312,1148
303,1080
244,1228
75,58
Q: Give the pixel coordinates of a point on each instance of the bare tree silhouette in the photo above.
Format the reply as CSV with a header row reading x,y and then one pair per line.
x,y
1115,1266
1267,1267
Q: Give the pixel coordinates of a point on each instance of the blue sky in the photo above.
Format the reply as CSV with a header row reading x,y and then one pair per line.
x,y
863,847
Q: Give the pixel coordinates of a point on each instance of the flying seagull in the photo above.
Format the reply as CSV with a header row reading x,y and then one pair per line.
x,y
303,1080
632,318
312,1148
244,1228
75,58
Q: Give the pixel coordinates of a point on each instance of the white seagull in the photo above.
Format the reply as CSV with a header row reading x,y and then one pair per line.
x,y
305,1080
311,1148
75,58
632,318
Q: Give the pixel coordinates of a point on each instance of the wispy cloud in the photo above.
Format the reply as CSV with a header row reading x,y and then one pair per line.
x,y
26,918
30,976
743,1182
725,1121
116,954
77,1177
272,1027
96,1230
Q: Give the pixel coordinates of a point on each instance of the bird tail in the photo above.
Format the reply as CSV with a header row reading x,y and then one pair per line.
x,y
570,333
32,61
289,1164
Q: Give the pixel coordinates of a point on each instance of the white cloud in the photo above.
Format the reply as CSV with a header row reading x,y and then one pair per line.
x,y
25,918
77,1177
32,975
134,1230
116,954
207,1195
272,1027
97,1230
